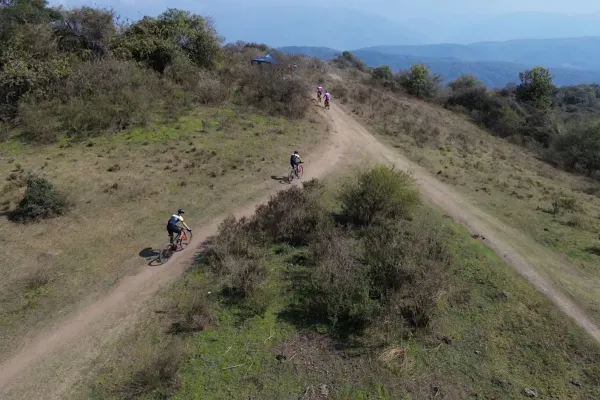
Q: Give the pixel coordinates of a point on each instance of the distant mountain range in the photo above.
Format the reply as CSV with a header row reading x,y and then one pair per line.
x,y
572,60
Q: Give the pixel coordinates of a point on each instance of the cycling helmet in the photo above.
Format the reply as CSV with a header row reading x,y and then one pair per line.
x,y
181,211
295,151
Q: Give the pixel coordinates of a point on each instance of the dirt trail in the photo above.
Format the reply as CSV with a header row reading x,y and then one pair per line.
x,y
62,353
78,339
501,238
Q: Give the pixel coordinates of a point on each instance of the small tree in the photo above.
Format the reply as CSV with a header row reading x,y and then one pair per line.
x,y
419,81
536,88
86,32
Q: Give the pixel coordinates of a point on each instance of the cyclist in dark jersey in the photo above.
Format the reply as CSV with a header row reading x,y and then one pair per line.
x,y
295,160
172,226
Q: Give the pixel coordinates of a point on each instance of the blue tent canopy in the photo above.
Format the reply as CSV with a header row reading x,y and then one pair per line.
x,y
267,58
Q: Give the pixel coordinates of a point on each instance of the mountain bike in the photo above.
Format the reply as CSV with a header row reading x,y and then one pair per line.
x,y
182,240
319,97
296,172
326,104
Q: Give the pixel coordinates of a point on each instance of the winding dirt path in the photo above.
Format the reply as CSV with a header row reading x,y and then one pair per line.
x,y
49,365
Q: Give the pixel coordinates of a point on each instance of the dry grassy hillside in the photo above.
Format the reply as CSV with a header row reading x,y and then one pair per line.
x,y
556,209
123,188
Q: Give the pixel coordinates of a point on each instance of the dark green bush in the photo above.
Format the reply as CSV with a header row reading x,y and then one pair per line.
x,y
379,194
579,149
41,200
290,216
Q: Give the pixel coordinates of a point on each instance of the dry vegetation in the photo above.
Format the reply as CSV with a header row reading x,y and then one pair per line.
x,y
557,209
387,308
122,188
109,127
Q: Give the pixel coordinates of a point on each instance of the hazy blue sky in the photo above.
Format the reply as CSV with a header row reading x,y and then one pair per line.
x,y
396,9
350,24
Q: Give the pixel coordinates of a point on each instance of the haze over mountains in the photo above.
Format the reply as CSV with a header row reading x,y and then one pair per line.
x,y
402,33
572,61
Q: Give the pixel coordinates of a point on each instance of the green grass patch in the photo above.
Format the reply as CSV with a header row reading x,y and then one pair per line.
x,y
494,336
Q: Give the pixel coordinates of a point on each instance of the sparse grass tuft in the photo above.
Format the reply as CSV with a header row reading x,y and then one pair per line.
x,y
157,379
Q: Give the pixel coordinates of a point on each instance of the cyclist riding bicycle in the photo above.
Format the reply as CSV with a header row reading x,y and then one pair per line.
x,y
172,226
295,160
319,92
327,98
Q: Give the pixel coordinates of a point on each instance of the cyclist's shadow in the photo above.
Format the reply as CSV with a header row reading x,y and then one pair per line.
x,y
151,255
281,179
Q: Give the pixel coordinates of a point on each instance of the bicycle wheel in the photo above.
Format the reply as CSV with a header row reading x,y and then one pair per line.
x,y
185,239
165,253
291,176
300,171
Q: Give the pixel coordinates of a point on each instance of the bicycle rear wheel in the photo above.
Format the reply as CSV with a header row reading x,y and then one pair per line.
x,y
165,253
291,176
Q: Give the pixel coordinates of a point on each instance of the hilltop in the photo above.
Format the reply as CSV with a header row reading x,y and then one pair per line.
x,y
441,243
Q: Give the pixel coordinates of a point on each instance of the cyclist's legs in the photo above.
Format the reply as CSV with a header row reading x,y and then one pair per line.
x,y
173,229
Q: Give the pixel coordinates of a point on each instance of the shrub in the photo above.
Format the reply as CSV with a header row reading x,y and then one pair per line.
x,y
100,96
290,216
41,200
237,259
408,269
156,42
339,289
158,379
349,60
578,150
419,81
205,86
269,88
191,309
467,91
379,194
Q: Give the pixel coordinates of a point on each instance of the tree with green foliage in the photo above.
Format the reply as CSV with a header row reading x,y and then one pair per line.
x,y
536,88
157,42
578,150
14,13
383,73
30,64
349,60
419,81
467,91
86,32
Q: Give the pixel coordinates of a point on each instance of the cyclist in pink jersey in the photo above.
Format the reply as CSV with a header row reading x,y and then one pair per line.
x,y
327,98
319,92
